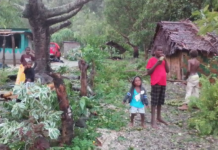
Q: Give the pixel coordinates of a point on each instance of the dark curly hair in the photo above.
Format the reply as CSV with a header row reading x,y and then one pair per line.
x,y
193,53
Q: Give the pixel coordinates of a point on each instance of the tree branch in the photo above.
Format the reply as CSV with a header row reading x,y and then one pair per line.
x,y
127,39
65,8
59,27
65,17
21,8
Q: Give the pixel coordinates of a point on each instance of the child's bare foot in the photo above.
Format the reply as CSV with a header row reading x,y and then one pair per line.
x,y
154,126
162,121
143,126
131,125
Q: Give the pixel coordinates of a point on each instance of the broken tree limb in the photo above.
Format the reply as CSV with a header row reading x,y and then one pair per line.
x,y
59,27
54,20
66,117
56,11
83,66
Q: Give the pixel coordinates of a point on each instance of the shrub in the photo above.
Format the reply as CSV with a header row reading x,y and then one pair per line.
x,y
205,119
35,116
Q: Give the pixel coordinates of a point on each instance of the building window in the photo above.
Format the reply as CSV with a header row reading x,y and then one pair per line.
x,y
17,38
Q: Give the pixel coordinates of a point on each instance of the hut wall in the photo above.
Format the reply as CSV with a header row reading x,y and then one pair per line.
x,y
21,42
174,62
68,46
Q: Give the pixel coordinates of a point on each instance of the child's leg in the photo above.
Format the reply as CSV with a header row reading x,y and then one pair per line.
x,y
132,119
155,93
143,120
153,120
161,102
159,118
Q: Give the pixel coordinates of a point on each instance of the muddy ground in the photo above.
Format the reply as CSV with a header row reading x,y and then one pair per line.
x,y
176,136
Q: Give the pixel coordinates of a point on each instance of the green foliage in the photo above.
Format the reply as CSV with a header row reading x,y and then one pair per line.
x,y
80,144
33,117
63,35
74,54
205,119
63,69
208,20
10,17
3,76
93,55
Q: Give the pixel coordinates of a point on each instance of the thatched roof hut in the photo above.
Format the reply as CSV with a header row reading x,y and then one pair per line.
x,y
177,39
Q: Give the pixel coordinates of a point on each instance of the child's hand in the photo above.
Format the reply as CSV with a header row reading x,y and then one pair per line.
x,y
123,102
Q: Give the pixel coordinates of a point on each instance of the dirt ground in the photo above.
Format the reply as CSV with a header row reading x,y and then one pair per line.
x,y
55,64
176,136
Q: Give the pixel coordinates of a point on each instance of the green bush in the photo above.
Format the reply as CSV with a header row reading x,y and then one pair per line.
x,y
205,119
3,76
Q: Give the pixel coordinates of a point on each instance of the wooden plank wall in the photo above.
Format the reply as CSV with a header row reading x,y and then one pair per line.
x,y
174,62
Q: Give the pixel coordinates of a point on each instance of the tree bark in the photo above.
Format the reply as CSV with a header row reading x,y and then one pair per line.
x,y
59,27
92,75
83,66
67,119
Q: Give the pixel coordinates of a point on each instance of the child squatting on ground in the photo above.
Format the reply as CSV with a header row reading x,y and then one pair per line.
x,y
137,98
29,73
157,68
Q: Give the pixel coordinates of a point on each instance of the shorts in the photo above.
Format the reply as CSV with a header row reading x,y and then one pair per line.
x,y
135,110
158,95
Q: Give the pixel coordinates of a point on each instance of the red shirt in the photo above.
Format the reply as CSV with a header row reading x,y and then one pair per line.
x,y
159,76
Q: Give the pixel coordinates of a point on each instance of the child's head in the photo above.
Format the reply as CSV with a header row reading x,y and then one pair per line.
x,y
29,64
137,81
27,49
158,51
193,53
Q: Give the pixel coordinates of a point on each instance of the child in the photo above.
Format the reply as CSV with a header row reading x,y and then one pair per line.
x,y
29,72
192,88
137,98
157,68
24,59
27,57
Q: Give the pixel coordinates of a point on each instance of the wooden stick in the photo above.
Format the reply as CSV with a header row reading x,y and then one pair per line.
x,y
3,56
13,47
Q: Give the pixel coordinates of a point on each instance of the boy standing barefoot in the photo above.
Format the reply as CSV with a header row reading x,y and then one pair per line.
x,y
157,68
192,88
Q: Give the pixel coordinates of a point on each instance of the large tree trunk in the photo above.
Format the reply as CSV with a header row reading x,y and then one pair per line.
x,y
41,40
67,118
41,20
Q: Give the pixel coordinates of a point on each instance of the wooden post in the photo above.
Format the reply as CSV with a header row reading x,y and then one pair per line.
x,y
13,47
3,56
83,66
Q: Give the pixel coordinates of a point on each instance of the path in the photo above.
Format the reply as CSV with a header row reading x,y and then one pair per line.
x,y
66,63
176,136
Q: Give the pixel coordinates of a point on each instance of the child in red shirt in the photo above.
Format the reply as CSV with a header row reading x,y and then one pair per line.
x,y
157,68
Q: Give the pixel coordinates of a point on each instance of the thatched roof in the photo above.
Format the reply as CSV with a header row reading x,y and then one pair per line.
x,y
183,35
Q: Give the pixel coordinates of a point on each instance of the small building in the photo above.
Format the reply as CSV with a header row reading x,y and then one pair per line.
x,y
69,46
22,39
177,39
